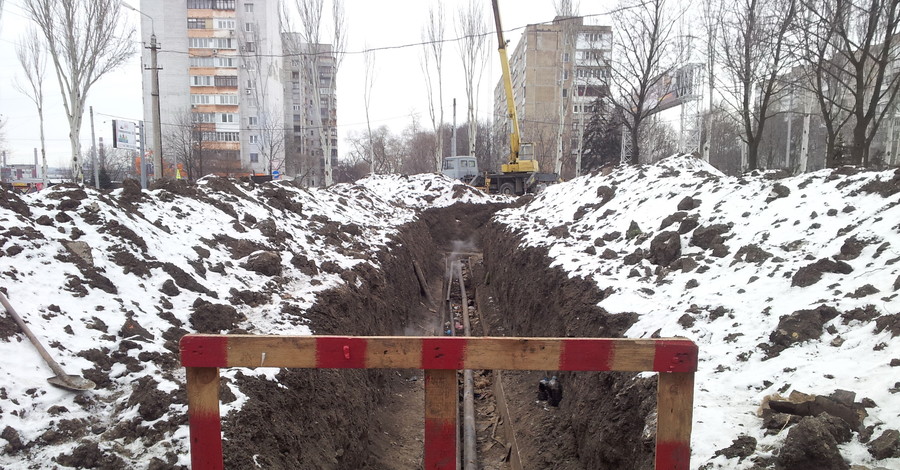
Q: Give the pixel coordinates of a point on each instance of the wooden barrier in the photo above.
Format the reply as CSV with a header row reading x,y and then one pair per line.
x,y
441,357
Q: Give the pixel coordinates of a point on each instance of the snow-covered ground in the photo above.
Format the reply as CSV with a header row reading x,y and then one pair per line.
x,y
730,306
812,219
133,246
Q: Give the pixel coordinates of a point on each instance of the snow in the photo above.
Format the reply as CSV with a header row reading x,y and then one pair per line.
x,y
754,295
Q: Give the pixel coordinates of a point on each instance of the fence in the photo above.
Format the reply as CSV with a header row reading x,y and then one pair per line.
x,y
441,357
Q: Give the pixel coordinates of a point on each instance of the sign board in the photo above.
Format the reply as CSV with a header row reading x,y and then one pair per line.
x,y
275,174
124,135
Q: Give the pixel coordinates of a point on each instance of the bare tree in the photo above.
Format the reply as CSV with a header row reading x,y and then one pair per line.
x,y
645,58
756,55
263,71
851,47
369,58
566,13
185,140
33,57
471,27
86,40
315,56
432,65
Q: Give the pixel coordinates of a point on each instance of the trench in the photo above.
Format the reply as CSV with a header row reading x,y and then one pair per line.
x,y
372,419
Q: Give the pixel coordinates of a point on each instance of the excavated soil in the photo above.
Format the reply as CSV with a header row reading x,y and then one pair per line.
x,y
372,419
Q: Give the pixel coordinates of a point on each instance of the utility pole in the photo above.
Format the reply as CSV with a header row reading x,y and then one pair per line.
x,y
94,152
157,131
143,159
453,134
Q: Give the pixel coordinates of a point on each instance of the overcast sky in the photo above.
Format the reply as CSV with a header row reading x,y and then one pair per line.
x,y
398,92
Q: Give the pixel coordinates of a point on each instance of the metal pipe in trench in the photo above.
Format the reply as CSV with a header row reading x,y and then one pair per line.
x,y
469,452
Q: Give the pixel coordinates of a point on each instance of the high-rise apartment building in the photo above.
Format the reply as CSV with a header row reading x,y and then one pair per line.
x,y
558,71
310,109
226,97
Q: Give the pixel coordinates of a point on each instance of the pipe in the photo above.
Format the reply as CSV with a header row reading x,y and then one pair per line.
x,y
469,438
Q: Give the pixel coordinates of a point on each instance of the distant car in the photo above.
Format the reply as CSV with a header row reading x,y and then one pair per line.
x,y
464,167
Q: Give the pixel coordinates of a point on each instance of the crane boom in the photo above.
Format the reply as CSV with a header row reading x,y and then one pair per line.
x,y
507,84
515,145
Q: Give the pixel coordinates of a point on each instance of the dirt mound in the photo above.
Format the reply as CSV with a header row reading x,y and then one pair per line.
x,y
214,318
812,445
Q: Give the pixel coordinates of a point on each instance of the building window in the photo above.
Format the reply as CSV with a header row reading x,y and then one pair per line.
x,y
201,80
248,7
226,80
252,120
250,46
254,158
565,92
227,117
254,139
224,23
565,57
565,74
196,23
248,27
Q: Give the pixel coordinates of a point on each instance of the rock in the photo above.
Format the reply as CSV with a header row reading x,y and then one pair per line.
x,y
752,254
706,237
688,224
633,258
81,250
686,321
169,288
802,325
633,231
609,254
863,291
886,446
685,264
671,219
861,314
812,273
664,248
12,438
691,284
810,446
851,249
890,323
267,263
778,191
688,203
742,447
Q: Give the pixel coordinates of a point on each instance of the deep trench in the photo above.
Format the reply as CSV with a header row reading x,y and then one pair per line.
x,y
328,419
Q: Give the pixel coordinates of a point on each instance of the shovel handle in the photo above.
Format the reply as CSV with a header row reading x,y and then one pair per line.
x,y
57,369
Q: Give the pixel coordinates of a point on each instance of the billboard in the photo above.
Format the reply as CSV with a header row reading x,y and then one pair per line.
x,y
124,135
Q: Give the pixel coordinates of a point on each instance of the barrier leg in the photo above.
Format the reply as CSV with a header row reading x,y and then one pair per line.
x,y
440,419
675,409
205,422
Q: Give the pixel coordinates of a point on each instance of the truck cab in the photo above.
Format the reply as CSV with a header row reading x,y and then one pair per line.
x,y
463,167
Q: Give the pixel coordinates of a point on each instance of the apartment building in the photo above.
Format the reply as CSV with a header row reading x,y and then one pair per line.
x,y
558,70
225,96
310,99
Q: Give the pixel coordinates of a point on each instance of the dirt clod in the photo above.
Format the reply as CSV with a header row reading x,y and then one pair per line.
x,y
810,446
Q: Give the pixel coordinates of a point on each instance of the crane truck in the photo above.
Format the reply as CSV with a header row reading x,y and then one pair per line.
x,y
521,173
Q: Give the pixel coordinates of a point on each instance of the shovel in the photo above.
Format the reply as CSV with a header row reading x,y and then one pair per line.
x,y
61,380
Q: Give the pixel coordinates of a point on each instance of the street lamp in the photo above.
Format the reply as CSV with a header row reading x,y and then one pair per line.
x,y
154,93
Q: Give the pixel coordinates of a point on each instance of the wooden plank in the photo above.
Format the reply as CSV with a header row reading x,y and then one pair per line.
x,y
633,356
271,351
600,354
675,402
393,354
441,397
513,353
203,416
